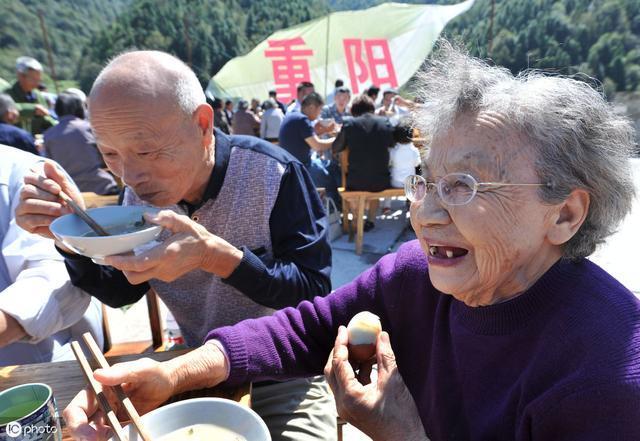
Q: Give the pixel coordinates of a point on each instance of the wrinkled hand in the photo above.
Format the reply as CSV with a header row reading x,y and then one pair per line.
x,y
384,410
146,382
190,247
39,202
40,110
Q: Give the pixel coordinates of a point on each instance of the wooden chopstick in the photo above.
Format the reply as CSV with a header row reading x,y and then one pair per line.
x,y
97,389
128,405
95,226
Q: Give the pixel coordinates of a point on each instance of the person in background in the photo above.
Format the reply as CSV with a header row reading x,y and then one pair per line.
x,y
298,137
303,89
9,134
340,108
255,107
271,121
331,95
244,229
41,312
387,107
228,111
372,92
404,159
219,119
368,138
274,95
72,145
245,122
34,116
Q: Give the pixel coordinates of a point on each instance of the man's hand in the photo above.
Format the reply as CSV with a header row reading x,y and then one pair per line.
x,y
10,330
384,410
39,202
148,384
40,110
190,247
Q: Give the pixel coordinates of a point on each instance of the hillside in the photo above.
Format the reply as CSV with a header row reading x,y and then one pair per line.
x,y
598,37
70,24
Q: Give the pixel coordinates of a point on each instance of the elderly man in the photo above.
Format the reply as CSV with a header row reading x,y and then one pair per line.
x,y
41,312
244,234
33,107
9,134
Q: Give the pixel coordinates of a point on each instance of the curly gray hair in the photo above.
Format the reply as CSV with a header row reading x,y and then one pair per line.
x,y
580,142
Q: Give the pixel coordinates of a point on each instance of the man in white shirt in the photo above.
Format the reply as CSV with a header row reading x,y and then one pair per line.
x,y
40,310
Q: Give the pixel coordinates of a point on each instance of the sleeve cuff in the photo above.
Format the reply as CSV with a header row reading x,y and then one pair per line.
x,y
232,344
247,275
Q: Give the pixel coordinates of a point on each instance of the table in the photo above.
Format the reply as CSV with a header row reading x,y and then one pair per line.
x,y
66,379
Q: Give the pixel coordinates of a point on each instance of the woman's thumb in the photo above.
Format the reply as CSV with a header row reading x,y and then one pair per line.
x,y
116,374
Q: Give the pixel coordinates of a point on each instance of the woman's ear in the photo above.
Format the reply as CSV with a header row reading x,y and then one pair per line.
x,y
571,214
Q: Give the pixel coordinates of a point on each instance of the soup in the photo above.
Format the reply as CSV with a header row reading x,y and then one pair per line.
x,y
202,432
119,229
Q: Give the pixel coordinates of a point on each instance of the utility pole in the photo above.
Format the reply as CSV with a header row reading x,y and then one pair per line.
x,y
48,48
490,31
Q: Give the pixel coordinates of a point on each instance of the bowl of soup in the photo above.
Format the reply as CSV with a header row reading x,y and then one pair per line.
x,y
201,419
125,225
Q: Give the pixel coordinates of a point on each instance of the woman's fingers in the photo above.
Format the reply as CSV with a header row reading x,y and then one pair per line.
x,y
78,414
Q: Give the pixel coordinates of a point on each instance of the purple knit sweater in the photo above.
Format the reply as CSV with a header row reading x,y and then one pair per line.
x,y
559,362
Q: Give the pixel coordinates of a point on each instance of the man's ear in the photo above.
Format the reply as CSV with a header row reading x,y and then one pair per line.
x,y
570,215
204,119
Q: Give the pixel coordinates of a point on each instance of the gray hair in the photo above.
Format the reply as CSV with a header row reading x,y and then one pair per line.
x,y
579,141
6,104
158,72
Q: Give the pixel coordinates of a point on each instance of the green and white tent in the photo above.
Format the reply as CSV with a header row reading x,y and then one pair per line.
x,y
384,45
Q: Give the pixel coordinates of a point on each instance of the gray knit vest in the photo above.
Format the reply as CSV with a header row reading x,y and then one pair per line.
x,y
200,301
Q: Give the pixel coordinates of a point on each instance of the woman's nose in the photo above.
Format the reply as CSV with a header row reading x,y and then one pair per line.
x,y
430,210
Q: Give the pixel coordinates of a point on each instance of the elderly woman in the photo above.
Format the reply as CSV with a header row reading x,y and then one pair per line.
x,y
501,329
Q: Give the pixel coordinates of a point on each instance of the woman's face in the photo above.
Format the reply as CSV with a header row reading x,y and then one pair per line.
x,y
499,239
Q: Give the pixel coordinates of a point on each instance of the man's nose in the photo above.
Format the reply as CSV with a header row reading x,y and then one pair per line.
x,y
133,173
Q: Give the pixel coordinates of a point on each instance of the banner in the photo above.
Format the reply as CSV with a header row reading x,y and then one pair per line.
x,y
384,45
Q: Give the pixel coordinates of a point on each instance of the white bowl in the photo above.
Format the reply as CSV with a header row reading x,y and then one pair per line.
x,y
224,413
71,230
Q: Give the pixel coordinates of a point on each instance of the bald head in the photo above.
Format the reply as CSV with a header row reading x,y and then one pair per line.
x,y
152,77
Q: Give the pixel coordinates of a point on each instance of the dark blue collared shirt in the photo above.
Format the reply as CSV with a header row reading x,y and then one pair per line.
x,y
301,265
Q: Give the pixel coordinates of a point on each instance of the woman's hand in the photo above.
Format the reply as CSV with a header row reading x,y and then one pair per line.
x,y
190,247
384,410
148,384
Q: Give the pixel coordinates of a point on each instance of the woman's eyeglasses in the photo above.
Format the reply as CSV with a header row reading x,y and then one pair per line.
x,y
453,189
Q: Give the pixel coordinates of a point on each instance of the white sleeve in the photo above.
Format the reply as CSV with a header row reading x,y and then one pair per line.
x,y
41,297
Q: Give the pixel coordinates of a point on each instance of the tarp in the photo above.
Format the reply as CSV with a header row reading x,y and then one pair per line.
x,y
384,45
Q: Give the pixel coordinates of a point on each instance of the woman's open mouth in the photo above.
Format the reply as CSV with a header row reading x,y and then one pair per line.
x,y
445,255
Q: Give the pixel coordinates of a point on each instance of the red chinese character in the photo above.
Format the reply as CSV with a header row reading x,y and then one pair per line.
x,y
289,65
377,67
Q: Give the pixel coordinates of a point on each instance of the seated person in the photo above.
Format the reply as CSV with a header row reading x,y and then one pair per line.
x,y
41,312
9,134
496,325
72,145
368,138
